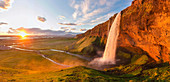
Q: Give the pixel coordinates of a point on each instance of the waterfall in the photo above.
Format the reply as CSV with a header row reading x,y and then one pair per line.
x,y
110,48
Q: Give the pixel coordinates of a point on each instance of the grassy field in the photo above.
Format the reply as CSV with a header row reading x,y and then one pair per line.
x,y
72,74
65,58
53,43
15,62
132,73
30,66
23,60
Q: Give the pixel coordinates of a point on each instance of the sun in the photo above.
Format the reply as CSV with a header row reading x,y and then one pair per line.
x,y
23,34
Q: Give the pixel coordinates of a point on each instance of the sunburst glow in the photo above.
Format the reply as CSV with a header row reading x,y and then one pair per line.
x,y
23,34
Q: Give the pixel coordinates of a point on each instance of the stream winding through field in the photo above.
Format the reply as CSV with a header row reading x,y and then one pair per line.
x,y
80,56
38,52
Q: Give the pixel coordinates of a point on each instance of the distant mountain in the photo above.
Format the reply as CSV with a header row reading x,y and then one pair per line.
x,y
144,30
37,31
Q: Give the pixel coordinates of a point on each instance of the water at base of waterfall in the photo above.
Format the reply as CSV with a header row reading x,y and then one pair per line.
x,y
110,49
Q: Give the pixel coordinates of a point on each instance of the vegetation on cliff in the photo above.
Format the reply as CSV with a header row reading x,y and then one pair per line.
x,y
144,25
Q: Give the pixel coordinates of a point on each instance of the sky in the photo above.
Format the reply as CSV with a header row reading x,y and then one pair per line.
x,y
57,15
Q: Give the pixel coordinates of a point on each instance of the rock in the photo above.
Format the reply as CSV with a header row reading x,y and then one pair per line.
x,y
145,24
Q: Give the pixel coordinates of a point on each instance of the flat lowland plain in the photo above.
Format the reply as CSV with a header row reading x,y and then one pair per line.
x,y
60,43
17,62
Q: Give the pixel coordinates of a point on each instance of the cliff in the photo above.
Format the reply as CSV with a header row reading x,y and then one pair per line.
x,y
145,29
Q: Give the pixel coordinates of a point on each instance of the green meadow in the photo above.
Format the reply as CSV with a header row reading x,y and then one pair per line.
x,y
64,58
17,62
26,66
60,43
126,73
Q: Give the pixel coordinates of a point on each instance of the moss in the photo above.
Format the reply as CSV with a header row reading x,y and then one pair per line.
x,y
142,60
89,50
88,45
160,73
123,54
126,73
98,42
83,43
135,57
82,74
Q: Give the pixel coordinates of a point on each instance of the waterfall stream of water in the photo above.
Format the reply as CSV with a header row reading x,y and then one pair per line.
x,y
110,48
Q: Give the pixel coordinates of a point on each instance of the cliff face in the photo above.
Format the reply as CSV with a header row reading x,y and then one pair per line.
x,y
145,25
100,30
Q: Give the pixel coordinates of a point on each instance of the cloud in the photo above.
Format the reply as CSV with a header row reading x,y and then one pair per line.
x,y
61,17
102,18
83,29
36,31
75,14
42,19
64,27
85,5
5,4
70,24
87,10
91,15
11,30
73,28
67,29
3,23
102,2
95,12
